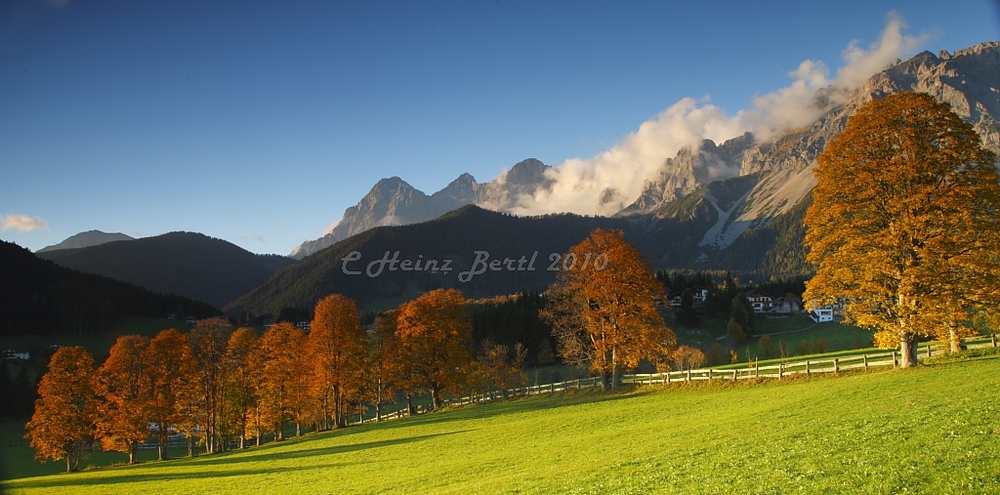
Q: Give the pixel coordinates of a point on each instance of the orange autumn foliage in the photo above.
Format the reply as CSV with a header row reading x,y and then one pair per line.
x,y
603,308
904,227
337,348
433,332
64,410
122,383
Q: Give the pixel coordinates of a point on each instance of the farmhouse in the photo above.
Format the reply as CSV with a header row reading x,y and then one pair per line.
x,y
786,305
698,296
12,354
820,315
759,301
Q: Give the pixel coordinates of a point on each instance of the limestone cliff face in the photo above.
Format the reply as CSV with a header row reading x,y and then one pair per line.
x,y
524,179
392,201
968,80
778,170
690,170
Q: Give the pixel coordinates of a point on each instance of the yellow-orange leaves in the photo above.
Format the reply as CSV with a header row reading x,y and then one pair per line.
x,y
903,227
433,334
64,409
609,299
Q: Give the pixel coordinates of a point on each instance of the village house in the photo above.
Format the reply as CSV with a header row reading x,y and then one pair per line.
x,y
12,354
698,296
821,315
759,301
786,305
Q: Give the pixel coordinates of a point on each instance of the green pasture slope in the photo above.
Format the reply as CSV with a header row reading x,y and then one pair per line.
x,y
934,429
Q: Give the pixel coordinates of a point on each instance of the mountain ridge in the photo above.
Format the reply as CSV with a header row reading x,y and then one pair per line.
x,y
184,263
86,239
968,79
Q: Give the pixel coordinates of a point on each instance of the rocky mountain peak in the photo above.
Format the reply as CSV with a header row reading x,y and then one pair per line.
x,y
527,172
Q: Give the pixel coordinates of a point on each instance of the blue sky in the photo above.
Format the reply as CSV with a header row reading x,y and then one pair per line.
x,y
260,122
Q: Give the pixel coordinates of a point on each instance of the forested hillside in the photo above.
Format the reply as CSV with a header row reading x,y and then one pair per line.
x,y
38,297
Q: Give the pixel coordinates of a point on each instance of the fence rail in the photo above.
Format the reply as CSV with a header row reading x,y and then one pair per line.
x,y
889,359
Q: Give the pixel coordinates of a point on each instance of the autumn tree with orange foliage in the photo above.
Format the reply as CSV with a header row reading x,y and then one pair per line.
x,y
382,366
171,373
498,367
245,367
603,310
337,346
285,380
122,383
62,421
209,339
904,227
433,333
303,407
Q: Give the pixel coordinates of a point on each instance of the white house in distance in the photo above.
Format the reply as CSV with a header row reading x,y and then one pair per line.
x,y
821,315
759,301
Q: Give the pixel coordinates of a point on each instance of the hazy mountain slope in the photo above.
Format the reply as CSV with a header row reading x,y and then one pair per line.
x,y
189,264
38,297
86,239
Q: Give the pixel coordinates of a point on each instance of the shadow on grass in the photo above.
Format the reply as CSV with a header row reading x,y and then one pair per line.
x,y
237,457
191,470
73,479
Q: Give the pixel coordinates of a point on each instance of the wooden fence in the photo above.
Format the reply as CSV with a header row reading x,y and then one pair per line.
x,y
888,359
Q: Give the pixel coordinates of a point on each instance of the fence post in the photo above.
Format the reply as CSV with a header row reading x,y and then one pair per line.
x,y
756,369
688,378
836,366
807,368
710,374
734,376
864,357
781,370
928,349
893,359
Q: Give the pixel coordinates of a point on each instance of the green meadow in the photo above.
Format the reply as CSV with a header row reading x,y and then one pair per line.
x,y
933,429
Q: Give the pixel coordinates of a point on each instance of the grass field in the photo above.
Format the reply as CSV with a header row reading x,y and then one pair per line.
x,y
933,429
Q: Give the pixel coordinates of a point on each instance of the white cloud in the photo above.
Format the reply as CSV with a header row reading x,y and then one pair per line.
x,y
619,173
21,223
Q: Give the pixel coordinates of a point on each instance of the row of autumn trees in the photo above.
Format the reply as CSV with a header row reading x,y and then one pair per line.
x,y
216,385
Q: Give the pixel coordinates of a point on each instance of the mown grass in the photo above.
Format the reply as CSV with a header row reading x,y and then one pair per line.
x,y
933,429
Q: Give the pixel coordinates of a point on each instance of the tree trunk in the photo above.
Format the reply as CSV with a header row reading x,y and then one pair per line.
x,y
163,439
614,369
954,343
605,381
409,405
907,351
131,453
434,397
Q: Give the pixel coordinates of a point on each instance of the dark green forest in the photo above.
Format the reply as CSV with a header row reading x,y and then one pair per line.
x,y
38,297
190,264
